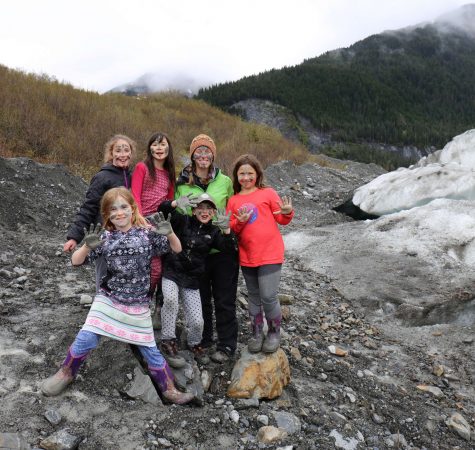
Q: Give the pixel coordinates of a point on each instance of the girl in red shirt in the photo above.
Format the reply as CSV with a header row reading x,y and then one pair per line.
x,y
153,182
255,212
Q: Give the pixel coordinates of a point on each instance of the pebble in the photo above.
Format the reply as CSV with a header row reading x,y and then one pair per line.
x,y
53,416
376,418
263,419
234,416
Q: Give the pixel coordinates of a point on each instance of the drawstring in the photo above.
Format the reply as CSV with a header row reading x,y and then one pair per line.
x,y
125,178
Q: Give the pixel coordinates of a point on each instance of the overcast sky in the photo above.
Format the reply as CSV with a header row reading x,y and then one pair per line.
x,y
99,44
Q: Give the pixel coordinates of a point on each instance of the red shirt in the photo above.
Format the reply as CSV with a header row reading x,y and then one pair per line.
x,y
260,241
149,193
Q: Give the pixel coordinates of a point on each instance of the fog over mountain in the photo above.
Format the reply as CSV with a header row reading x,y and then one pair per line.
x,y
461,19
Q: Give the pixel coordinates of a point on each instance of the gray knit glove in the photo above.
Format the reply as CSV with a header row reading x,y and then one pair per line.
x,y
92,238
161,225
222,219
188,200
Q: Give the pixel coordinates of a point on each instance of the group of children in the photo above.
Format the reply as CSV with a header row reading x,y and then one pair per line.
x,y
148,236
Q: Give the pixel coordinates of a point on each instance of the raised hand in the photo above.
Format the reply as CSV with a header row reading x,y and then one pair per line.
x,y
92,238
160,224
188,200
285,206
222,219
243,214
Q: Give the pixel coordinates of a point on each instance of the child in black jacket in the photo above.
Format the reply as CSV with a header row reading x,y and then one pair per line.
x,y
182,272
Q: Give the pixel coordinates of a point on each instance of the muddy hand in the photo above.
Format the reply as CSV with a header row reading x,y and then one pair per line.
x,y
243,214
92,238
188,200
161,225
222,219
285,206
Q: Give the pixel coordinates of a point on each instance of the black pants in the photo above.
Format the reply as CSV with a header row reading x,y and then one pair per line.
x,y
220,284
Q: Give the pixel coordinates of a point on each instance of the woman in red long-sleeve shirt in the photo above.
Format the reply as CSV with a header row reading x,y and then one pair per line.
x,y
255,212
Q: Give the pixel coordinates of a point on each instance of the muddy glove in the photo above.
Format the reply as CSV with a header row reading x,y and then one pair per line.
x,y
92,238
161,225
222,219
189,199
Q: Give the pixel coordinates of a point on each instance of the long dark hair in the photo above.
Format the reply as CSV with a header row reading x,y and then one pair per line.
x,y
255,164
169,164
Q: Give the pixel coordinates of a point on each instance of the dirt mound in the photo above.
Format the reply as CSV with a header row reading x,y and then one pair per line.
x,y
37,196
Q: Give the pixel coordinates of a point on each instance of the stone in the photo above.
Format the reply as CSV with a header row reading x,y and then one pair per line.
x,y
245,403
342,442
287,421
377,418
53,417
438,370
434,390
338,351
270,434
61,440
286,299
259,375
457,423
85,299
286,313
263,419
234,416
295,353
142,388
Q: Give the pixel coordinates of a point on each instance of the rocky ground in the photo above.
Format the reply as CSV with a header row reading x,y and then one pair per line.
x,y
355,384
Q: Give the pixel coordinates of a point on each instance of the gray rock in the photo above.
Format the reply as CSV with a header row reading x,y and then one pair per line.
x,y
141,387
287,421
53,416
61,440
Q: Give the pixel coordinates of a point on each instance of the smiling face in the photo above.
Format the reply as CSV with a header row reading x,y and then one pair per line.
x,y
121,154
247,177
203,157
204,212
159,151
121,214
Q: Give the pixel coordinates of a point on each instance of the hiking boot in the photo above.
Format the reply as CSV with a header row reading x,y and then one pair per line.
x,y
200,354
272,340
254,344
169,350
222,355
58,382
164,381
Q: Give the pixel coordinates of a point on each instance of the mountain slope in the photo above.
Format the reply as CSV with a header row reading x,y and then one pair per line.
x,y
412,86
54,122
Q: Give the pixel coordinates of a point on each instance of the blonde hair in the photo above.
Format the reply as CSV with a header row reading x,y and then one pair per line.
x,y
106,204
108,146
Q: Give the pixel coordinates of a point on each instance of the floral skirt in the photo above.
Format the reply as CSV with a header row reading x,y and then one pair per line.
x,y
131,324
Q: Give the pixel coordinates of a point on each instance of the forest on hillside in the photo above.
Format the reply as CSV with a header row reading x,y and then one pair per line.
x,y
405,88
53,122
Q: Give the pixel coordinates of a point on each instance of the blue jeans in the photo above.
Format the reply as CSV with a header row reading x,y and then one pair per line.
x,y
86,341
262,284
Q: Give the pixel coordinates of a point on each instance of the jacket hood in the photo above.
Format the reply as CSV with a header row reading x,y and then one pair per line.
x,y
184,175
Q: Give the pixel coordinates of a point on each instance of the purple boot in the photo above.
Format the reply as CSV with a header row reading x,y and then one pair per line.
x,y
255,342
164,380
272,340
57,383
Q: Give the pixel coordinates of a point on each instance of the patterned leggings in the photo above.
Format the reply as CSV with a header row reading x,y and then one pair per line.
x,y
87,340
192,308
